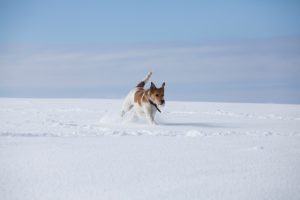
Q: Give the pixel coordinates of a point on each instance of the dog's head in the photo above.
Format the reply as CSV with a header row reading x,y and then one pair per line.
x,y
157,94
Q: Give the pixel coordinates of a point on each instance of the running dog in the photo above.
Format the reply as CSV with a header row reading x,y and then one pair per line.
x,y
145,102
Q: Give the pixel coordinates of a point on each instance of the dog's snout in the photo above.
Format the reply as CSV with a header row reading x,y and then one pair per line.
x,y
162,101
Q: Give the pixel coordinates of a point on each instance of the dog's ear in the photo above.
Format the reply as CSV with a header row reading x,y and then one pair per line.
x,y
152,85
163,84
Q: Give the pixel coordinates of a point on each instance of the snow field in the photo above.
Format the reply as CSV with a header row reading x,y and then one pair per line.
x,y
81,149
80,117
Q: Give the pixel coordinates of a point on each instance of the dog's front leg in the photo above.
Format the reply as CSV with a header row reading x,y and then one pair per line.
x,y
150,119
150,116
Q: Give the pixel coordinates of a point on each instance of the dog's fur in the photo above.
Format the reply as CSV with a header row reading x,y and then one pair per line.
x,y
145,102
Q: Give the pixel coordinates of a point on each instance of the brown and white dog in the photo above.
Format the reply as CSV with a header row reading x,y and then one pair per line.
x,y
145,102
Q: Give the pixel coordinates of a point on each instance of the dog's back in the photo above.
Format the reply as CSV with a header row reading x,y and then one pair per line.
x,y
135,95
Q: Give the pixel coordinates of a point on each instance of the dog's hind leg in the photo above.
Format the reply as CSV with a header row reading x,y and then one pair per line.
x,y
127,104
146,79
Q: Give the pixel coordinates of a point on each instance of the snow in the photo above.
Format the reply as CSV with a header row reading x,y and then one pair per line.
x,y
81,149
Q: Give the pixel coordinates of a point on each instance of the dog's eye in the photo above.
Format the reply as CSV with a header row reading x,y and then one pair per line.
x,y
156,95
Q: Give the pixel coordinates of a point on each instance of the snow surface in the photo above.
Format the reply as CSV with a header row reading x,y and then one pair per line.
x,y
81,149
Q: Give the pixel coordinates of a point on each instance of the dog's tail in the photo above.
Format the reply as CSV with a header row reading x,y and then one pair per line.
x,y
143,82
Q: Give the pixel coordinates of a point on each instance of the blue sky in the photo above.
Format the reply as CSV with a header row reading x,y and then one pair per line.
x,y
145,21
245,51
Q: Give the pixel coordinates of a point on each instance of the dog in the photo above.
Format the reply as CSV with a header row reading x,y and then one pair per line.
x,y
145,102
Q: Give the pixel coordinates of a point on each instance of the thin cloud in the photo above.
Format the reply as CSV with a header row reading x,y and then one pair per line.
x,y
250,65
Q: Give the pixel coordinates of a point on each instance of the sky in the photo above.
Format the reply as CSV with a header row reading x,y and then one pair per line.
x,y
233,51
